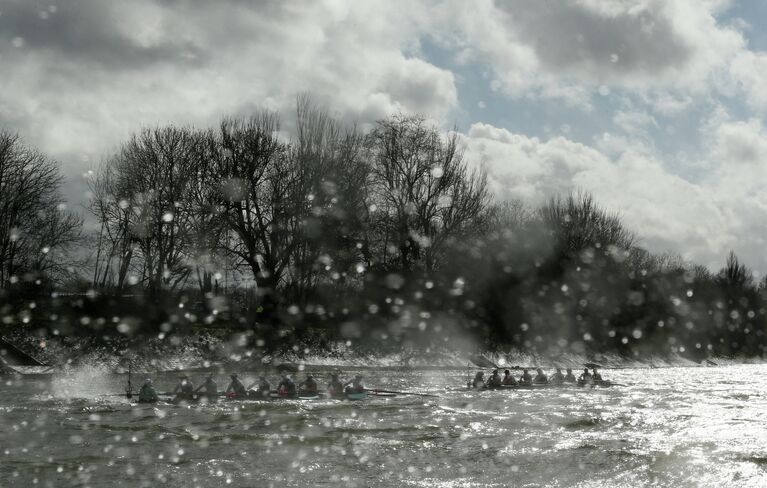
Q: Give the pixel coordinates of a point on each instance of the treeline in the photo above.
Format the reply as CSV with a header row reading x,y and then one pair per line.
x,y
570,277
383,237
297,223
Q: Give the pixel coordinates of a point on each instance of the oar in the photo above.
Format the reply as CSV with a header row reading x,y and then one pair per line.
x,y
201,394
129,394
129,391
482,361
468,373
401,392
266,364
611,383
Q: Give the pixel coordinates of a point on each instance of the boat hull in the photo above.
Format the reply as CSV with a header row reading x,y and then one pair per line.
x,y
545,386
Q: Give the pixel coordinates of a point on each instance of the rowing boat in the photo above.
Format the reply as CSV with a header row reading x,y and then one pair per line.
x,y
272,396
541,386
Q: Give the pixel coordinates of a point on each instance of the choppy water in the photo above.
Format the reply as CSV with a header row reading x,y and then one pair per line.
x,y
671,427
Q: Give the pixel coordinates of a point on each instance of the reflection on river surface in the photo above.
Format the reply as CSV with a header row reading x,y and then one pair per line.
x,y
668,427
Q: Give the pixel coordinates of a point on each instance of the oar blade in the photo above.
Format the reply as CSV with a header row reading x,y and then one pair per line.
x,y
291,367
482,361
376,390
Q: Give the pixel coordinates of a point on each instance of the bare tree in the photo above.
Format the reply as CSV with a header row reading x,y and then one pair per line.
x,y
157,203
334,176
115,246
35,228
735,275
510,214
206,226
578,223
423,193
142,201
260,196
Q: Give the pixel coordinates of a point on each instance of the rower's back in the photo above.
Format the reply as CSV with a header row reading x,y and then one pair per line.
x,y
557,378
526,379
186,387
495,380
335,386
210,386
570,377
508,379
147,394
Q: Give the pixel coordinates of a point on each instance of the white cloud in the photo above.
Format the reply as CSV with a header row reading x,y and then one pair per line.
x,y
669,104
94,71
86,74
741,146
700,221
569,49
634,121
750,72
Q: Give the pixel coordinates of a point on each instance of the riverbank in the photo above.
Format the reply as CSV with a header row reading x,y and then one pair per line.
x,y
207,352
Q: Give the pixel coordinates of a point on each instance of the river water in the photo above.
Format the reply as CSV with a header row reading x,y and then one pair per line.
x,y
668,427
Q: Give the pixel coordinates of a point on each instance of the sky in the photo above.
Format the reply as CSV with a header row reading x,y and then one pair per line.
x,y
656,107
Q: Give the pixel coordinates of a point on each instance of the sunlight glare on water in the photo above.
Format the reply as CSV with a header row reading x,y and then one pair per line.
x,y
668,427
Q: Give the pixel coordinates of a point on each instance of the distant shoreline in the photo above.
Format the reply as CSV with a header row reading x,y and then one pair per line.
x,y
191,357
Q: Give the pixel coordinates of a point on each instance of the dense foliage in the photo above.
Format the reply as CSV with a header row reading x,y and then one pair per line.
x,y
383,237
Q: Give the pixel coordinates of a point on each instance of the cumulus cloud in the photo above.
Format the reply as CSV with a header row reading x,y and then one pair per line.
x,y
749,70
567,49
87,72
634,121
80,76
668,104
700,221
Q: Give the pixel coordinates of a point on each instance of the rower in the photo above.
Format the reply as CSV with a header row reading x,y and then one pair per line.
x,y
495,380
184,389
525,379
570,378
356,385
335,387
210,387
262,390
286,388
540,378
508,380
308,387
557,378
595,376
585,377
479,381
236,389
147,394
